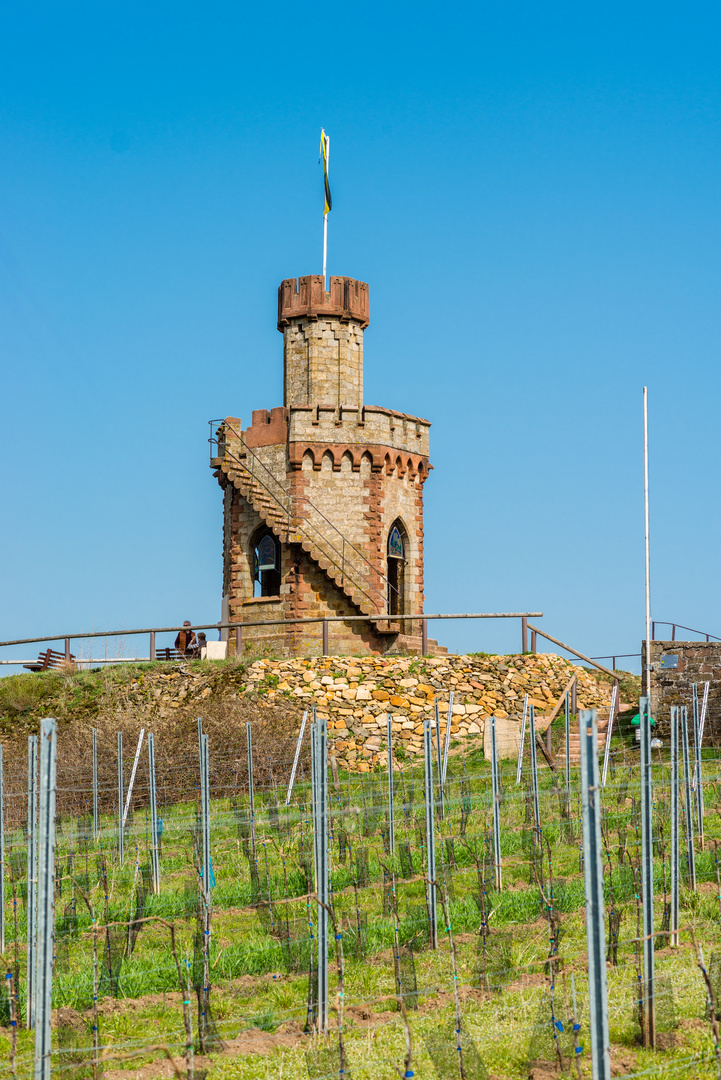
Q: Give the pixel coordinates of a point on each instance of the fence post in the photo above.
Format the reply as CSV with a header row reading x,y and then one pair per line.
x,y
152,644
32,878
649,1025
238,640
567,725
533,642
430,833
607,750
524,635
697,784
325,637
205,817
424,637
2,855
121,800
595,915
319,742
574,698
673,940
251,791
67,650
690,850
153,814
496,808
96,823
46,891
439,760
522,741
391,807
295,759
534,771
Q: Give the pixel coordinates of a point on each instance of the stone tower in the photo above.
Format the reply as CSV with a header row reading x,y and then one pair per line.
x,y
323,510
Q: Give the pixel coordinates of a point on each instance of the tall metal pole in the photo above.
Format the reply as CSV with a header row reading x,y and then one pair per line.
x,y
675,876
647,543
496,808
46,892
430,833
391,806
96,823
153,814
595,914
690,851
649,1011
121,800
32,877
2,855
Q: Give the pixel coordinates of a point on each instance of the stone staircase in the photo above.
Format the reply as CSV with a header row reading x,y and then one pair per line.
x,y
333,554
574,742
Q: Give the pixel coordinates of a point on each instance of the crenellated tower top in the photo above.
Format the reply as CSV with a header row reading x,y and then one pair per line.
x,y
306,298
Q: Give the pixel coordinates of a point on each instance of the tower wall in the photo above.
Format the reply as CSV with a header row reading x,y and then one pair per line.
x,y
323,341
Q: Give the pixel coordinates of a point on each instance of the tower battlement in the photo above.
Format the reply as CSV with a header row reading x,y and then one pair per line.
x,y
306,297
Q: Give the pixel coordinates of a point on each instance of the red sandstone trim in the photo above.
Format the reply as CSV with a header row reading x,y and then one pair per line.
x,y
382,458
306,298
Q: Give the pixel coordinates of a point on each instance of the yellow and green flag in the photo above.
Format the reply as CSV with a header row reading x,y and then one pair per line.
x,y
324,154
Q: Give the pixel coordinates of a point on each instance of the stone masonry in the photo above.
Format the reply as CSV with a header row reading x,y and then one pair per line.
x,y
698,662
329,478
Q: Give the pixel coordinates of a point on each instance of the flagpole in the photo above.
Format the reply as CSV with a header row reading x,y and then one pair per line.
x,y
648,561
325,250
325,219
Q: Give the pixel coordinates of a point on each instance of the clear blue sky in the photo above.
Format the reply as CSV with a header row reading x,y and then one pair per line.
x,y
532,192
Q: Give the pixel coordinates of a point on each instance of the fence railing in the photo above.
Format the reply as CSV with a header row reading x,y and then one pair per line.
x,y
679,626
238,628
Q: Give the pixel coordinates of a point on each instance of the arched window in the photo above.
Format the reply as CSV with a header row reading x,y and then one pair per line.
x,y
396,563
266,565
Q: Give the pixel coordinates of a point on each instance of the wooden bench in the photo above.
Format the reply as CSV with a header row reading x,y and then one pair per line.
x,y
169,654
50,659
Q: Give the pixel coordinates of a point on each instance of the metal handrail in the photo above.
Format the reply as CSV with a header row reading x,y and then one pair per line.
x,y
701,633
378,617
298,523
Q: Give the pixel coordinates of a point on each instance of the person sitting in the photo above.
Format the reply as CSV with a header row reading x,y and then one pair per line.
x,y
186,640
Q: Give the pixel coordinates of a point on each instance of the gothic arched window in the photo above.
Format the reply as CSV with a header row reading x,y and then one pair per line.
x,y
396,562
266,565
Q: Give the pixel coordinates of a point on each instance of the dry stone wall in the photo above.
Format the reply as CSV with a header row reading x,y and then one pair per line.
x,y
356,695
